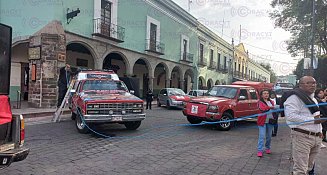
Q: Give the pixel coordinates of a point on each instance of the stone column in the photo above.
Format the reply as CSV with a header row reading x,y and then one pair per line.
x,y
167,85
151,83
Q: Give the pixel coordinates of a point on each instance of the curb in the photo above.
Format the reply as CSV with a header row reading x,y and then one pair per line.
x,y
41,114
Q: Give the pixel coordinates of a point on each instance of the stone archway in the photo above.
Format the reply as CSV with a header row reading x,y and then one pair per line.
x,y
217,82
202,84
161,79
19,81
176,77
209,83
117,62
141,71
188,80
80,55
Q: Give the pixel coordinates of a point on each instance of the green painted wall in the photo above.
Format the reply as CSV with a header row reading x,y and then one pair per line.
x,y
13,92
133,17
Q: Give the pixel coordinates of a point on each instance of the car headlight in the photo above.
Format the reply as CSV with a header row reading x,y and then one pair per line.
x,y
139,105
212,108
89,106
173,100
96,106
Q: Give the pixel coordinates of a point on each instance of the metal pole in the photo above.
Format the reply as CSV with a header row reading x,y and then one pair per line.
x,y
312,37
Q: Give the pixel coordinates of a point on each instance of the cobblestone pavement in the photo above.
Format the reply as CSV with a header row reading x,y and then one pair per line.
x,y
162,145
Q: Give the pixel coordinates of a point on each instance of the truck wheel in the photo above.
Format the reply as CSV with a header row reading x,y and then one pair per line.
x,y
158,103
132,125
193,120
80,126
73,117
226,125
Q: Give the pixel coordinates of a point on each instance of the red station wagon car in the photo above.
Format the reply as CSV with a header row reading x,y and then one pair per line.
x,y
224,102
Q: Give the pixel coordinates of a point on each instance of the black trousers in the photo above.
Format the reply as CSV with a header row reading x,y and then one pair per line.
x,y
148,104
61,95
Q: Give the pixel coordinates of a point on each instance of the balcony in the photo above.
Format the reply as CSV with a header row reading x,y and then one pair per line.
x,y
108,30
155,47
238,74
188,57
212,65
220,68
202,61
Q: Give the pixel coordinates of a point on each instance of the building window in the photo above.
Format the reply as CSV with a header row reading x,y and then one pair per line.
x,y
201,52
105,17
211,56
225,62
153,36
184,48
218,60
81,62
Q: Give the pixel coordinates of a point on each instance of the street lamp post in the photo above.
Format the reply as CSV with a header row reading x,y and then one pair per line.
x,y
312,37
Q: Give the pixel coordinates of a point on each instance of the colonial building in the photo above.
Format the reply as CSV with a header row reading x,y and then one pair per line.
x,y
247,69
156,42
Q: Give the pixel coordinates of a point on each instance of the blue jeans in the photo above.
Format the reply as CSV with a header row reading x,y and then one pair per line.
x,y
265,131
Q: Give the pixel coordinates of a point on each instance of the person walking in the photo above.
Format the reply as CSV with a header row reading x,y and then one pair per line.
x,y
63,83
303,117
275,114
321,98
149,99
265,122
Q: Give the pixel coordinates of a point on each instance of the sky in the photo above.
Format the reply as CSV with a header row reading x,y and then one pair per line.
x,y
250,19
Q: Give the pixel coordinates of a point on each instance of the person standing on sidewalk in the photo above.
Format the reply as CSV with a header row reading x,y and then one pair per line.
x,y
305,133
149,99
321,98
265,122
275,114
63,83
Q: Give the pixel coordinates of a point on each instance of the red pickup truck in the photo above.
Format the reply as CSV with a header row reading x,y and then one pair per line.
x,y
224,102
102,100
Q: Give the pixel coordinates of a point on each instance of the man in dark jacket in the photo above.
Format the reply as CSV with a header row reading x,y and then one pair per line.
x,y
63,83
149,99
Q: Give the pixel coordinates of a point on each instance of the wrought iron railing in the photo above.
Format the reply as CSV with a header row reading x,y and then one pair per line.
x,y
187,57
155,46
109,30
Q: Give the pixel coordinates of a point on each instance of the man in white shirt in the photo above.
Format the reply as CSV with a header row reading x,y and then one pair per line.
x,y
305,133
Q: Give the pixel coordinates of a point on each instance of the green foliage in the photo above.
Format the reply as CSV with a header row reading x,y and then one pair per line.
x,y
319,73
273,76
295,16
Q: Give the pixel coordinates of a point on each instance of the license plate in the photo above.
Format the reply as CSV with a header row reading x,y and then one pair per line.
x,y
194,109
4,161
117,118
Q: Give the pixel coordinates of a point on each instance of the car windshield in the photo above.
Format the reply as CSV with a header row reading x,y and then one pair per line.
x,y
103,85
176,92
221,91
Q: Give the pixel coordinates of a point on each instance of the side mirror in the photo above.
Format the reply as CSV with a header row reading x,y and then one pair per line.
x,y
132,92
241,97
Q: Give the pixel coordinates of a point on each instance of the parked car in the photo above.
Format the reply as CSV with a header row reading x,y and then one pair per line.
x,y
172,97
100,100
196,93
223,103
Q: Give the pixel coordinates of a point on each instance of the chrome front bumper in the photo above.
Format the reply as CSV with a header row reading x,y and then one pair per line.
x,y
113,118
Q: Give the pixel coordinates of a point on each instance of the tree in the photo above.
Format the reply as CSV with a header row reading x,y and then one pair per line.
x,y
295,16
319,73
273,77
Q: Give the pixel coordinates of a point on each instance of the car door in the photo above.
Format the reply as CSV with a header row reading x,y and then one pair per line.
x,y
243,105
161,96
254,101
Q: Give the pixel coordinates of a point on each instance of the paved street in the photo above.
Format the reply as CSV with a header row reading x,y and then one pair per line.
x,y
160,146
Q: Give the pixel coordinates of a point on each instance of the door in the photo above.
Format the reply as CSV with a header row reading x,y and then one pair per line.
x,y
163,96
153,37
243,105
24,81
254,101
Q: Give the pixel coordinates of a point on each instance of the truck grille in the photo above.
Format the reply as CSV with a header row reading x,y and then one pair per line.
x,y
114,108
